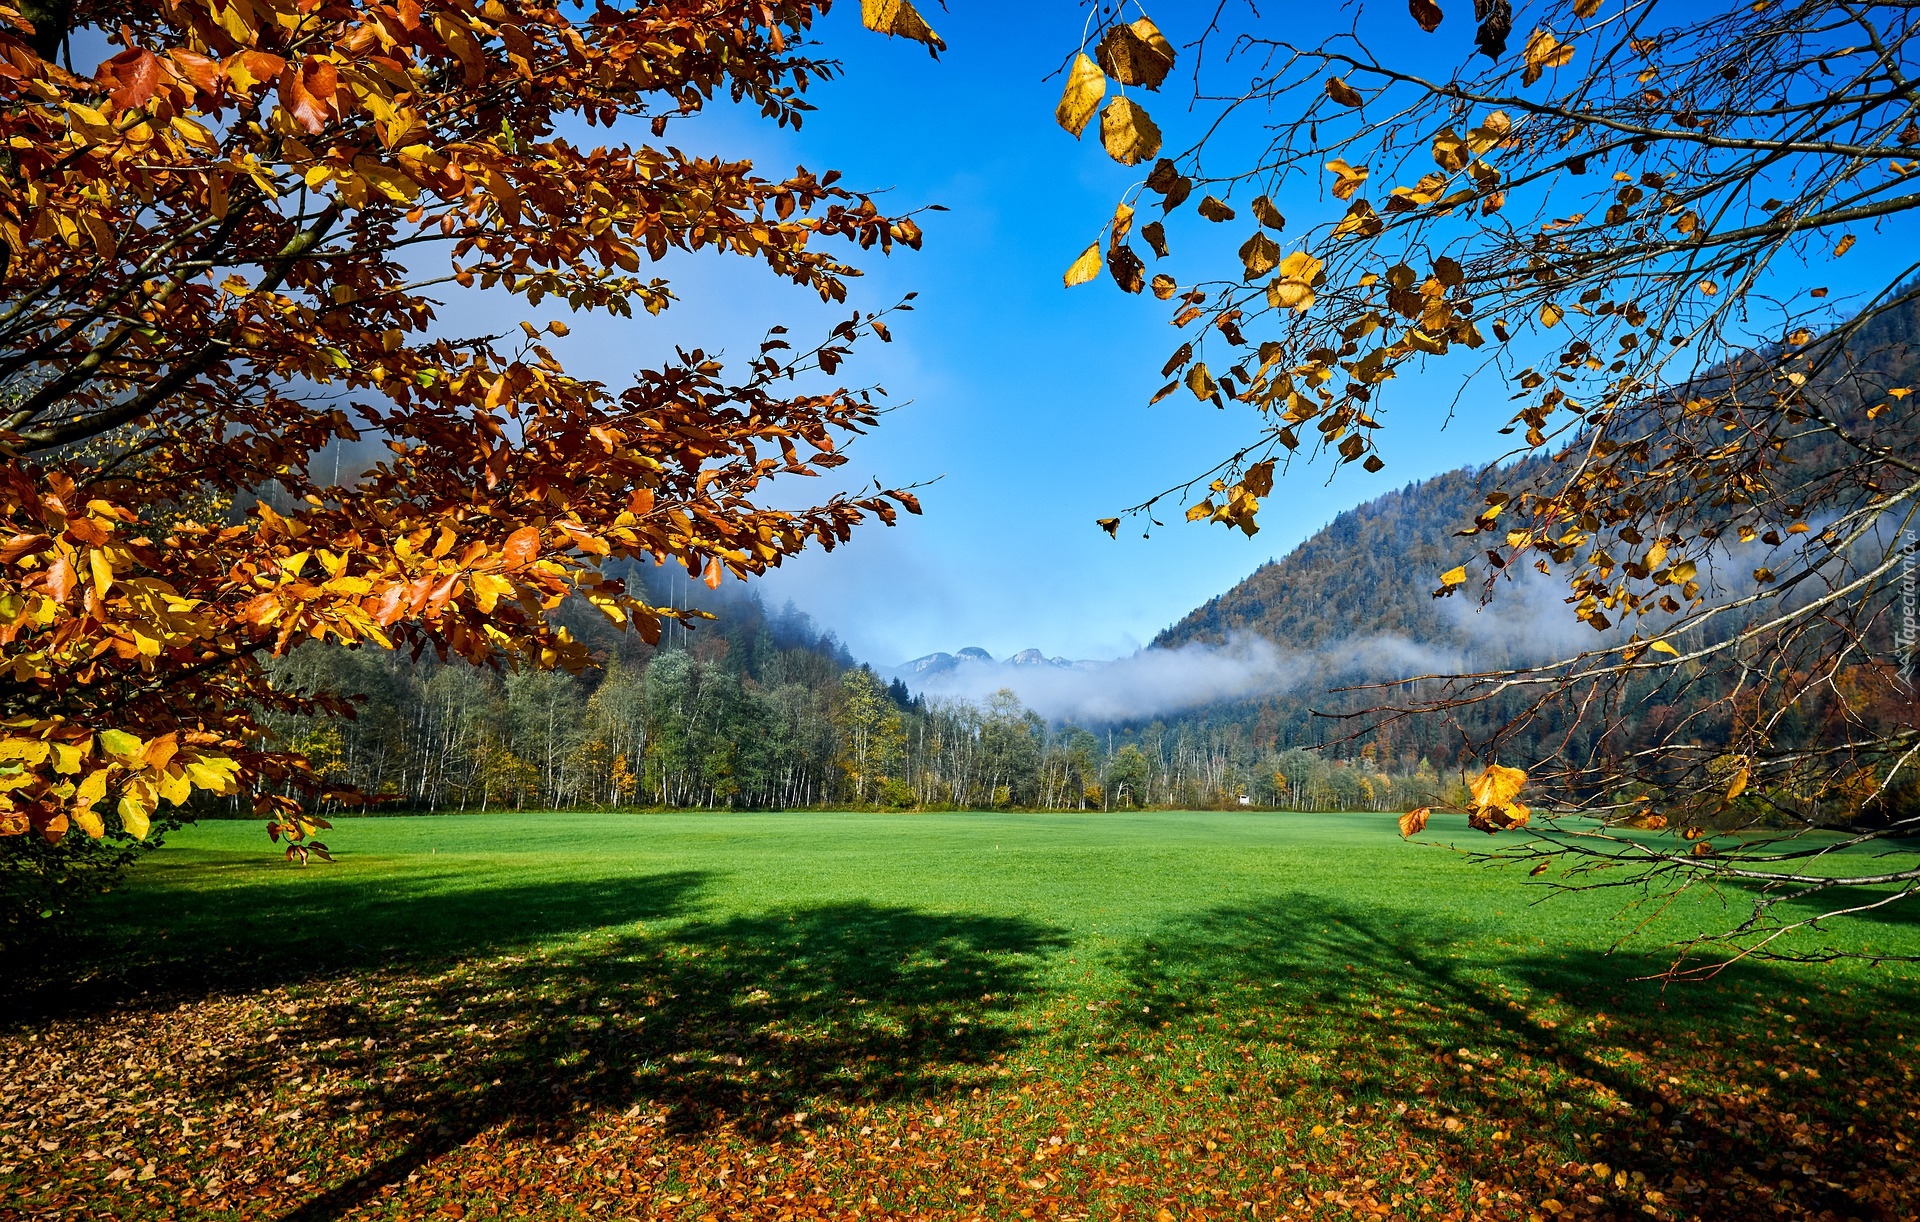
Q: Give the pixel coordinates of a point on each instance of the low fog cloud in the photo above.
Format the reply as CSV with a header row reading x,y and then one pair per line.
x,y
1527,622
1151,683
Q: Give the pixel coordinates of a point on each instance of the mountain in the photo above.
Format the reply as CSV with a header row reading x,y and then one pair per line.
x,y
1369,572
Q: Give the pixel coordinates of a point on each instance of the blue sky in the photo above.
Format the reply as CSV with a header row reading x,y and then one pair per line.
x,y
1023,402
1026,403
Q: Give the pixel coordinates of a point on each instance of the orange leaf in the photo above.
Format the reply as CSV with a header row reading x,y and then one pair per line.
x,y
522,546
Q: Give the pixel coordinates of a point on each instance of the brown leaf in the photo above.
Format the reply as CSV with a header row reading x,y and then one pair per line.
x,y
1126,268
1496,22
1426,12
1414,822
1361,221
1341,92
1259,255
1268,215
1215,209
1135,54
1164,286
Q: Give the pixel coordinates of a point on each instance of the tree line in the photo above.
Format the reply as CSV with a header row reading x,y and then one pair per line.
x,y
760,711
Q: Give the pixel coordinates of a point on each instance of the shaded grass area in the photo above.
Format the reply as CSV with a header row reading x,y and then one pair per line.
x,y
953,1016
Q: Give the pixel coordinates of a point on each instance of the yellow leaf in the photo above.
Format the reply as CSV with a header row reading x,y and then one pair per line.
x,y
488,590
123,746
1128,132
1551,314
1200,382
1544,51
1086,85
899,19
1268,215
92,788
1285,294
1449,150
1300,266
215,773
1845,245
1347,179
1342,92
134,816
1414,822
194,134
29,751
67,758
90,822
175,787
1454,577
1086,267
1498,785
101,569
1664,647
1738,785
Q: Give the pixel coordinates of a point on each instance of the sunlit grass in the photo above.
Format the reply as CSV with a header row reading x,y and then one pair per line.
x,y
1211,1012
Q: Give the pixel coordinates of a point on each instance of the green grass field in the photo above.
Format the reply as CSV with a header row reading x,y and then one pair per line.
x,y
1161,1015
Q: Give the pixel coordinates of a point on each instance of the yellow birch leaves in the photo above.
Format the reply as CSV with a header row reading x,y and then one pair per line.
x,y
899,19
1086,267
1128,132
1086,85
1544,51
1129,54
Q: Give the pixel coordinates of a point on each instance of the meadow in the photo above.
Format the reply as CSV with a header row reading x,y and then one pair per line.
x,y
1154,1016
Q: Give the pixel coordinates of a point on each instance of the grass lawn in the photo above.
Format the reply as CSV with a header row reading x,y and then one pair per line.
x,y
1153,1016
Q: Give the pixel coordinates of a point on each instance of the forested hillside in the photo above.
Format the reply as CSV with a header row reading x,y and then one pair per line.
x,y
1355,601
1368,572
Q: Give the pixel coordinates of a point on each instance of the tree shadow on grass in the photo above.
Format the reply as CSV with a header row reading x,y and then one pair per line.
x,y
741,1021
1867,904
166,945
1564,1049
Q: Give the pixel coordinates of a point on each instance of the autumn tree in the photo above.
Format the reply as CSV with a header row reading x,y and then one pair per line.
x,y
225,249
870,734
1625,217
